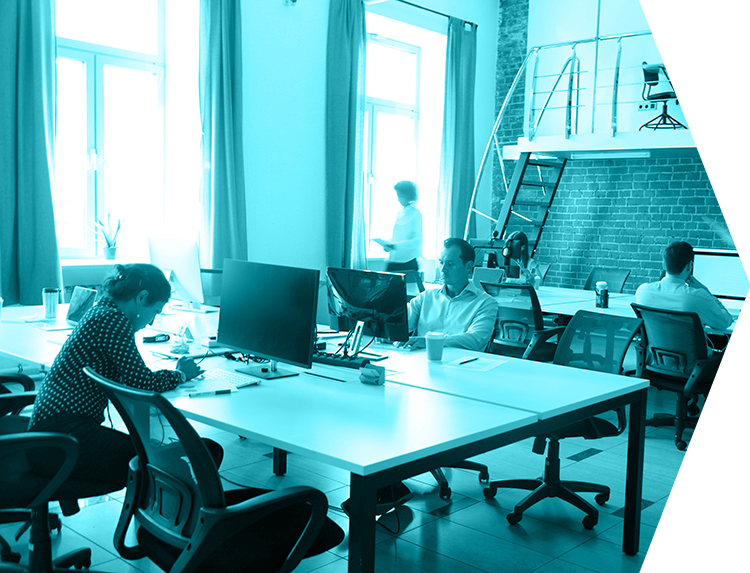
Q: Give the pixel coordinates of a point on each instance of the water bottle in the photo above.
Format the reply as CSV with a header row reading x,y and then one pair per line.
x,y
602,295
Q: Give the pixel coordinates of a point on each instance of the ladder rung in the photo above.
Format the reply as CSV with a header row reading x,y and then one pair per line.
x,y
538,183
542,163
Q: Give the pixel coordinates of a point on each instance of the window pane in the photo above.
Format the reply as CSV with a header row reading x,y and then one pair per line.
x,y
395,160
130,25
133,173
391,73
70,155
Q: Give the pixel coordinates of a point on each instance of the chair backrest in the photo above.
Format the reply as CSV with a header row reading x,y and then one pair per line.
x,y
674,340
180,474
598,341
615,278
519,313
413,282
651,80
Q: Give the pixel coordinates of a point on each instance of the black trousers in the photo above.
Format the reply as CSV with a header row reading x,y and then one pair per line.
x,y
103,454
411,265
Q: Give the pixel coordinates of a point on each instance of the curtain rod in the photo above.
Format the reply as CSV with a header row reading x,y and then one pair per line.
x,y
431,10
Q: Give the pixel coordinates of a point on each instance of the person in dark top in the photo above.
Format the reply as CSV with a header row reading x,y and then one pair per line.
x,y
71,403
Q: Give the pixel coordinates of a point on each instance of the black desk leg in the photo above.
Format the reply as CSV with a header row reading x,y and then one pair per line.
x,y
362,525
634,484
279,462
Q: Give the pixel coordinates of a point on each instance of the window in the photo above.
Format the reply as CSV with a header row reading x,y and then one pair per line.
x,y
403,123
113,121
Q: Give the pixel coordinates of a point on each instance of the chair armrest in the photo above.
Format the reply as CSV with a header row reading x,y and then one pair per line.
x,y
15,402
702,370
23,442
26,382
540,337
218,524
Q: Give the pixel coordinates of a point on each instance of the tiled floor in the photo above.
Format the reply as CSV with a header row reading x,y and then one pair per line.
x,y
467,534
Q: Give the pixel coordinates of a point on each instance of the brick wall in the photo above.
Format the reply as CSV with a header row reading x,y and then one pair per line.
x,y
622,213
610,213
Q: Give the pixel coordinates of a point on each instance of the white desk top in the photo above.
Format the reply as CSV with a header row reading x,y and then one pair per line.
x,y
357,427
544,389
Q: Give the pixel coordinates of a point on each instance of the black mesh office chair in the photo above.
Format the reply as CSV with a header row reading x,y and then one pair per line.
x,y
615,278
25,495
677,360
519,316
593,341
651,80
186,519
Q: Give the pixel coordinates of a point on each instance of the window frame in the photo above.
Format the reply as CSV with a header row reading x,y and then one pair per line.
x,y
95,57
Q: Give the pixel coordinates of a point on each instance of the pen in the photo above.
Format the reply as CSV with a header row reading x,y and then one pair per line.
x,y
469,360
210,393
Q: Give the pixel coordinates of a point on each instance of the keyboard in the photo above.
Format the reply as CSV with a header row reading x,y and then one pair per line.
x,y
322,357
224,376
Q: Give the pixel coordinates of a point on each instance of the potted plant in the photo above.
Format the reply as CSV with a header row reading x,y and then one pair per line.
x,y
109,234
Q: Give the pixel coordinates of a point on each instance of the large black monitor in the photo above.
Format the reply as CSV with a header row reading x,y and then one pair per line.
x,y
369,302
269,311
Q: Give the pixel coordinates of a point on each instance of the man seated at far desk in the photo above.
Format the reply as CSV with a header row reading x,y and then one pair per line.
x,y
459,310
680,290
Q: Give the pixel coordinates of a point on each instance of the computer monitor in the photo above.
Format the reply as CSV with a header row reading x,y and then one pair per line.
x,y
369,302
180,261
722,273
269,311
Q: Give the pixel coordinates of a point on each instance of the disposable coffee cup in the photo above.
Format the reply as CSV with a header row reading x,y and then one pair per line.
x,y
49,298
435,342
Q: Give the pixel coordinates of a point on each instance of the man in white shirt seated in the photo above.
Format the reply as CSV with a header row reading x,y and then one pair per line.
x,y
680,290
459,310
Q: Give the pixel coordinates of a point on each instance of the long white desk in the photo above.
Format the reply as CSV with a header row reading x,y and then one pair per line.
x,y
382,434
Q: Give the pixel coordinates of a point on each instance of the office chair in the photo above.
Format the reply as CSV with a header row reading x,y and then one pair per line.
x,y
543,269
519,316
26,495
650,81
615,278
21,388
186,519
593,341
677,360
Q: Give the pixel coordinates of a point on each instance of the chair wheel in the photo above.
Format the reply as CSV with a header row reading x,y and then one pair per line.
x,y
601,498
445,492
682,445
490,492
484,477
514,518
589,522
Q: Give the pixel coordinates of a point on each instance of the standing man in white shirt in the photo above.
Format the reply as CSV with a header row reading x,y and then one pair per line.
x,y
405,246
680,290
459,310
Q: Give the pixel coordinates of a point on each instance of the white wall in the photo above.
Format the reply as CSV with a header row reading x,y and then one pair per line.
x,y
284,57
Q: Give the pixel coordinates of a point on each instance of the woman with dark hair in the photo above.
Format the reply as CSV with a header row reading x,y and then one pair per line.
x,y
104,339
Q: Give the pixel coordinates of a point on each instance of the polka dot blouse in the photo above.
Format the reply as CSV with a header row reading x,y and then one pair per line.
x,y
105,341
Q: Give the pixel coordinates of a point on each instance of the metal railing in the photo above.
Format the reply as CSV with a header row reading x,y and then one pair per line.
x,y
571,67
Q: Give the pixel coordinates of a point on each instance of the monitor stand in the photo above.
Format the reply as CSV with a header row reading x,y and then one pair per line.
x,y
266,371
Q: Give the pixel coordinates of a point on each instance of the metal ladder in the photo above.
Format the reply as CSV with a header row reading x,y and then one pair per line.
x,y
530,194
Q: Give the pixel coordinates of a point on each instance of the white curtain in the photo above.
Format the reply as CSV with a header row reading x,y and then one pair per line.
x,y
29,257
345,105
457,155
